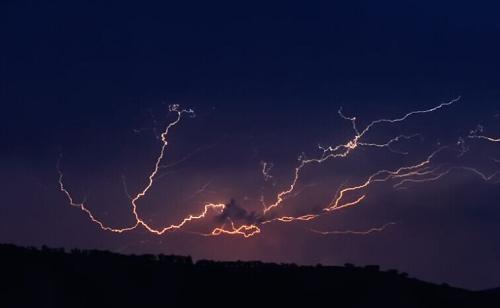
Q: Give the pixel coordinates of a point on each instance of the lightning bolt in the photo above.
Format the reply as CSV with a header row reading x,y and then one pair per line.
x,y
491,139
477,134
355,232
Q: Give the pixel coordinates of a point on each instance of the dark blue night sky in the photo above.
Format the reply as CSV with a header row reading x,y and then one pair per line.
x,y
92,82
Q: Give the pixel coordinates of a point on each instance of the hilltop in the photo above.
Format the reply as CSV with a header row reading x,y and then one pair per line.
x,y
46,277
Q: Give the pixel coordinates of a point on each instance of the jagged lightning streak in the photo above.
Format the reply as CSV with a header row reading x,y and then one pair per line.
x,y
477,134
488,138
355,232
188,156
81,206
438,175
388,145
244,230
203,189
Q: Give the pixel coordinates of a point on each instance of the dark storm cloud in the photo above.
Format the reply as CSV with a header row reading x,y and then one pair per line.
x,y
235,212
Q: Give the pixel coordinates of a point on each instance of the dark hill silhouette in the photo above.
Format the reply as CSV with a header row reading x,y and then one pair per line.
x,y
90,278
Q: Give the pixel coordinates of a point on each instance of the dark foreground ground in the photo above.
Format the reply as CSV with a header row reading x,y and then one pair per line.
x,y
54,278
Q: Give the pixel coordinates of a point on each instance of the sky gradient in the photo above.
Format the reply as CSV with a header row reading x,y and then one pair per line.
x,y
90,84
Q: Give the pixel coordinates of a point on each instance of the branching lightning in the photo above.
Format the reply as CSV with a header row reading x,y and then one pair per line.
x,y
343,150
138,220
345,197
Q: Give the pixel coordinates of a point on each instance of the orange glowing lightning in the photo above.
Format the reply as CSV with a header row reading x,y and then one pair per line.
x,y
139,221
